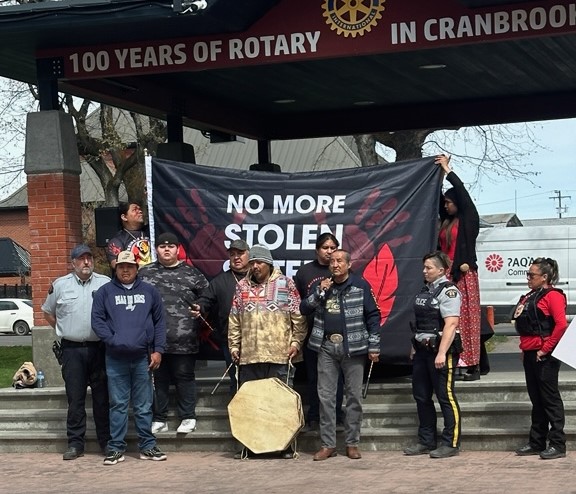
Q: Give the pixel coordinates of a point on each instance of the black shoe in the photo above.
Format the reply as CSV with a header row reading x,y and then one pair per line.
x,y
472,376
287,454
72,453
114,457
552,453
527,450
484,369
444,451
417,449
459,376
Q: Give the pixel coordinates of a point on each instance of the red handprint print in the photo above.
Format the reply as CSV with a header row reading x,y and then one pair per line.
x,y
369,234
369,241
204,241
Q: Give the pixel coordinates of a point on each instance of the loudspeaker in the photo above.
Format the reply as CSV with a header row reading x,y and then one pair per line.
x,y
107,224
176,151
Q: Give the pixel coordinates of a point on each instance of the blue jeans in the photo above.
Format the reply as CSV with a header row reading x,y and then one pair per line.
x,y
129,379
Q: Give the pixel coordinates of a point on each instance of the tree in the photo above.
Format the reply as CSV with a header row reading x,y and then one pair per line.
x,y
499,150
14,105
110,141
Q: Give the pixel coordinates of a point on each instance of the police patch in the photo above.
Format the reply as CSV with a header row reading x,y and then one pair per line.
x,y
451,293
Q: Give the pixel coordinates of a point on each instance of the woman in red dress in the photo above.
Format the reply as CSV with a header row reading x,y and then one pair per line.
x,y
460,225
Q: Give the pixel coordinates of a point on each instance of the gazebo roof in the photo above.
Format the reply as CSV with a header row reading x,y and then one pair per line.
x,y
288,69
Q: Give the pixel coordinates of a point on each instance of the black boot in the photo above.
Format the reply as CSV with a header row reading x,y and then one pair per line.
x,y
473,373
459,375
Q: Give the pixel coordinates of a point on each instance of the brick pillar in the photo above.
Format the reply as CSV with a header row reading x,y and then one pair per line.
x,y
53,172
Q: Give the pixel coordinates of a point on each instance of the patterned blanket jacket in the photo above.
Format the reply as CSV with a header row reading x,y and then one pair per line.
x,y
265,320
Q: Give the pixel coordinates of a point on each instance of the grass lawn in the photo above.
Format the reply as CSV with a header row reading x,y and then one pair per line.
x,y
11,358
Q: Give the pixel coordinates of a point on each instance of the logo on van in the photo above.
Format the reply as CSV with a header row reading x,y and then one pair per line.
x,y
494,263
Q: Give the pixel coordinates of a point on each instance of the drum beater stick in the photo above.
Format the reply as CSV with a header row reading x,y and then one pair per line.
x,y
222,378
365,392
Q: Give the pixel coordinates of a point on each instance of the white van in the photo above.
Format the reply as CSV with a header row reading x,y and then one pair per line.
x,y
505,254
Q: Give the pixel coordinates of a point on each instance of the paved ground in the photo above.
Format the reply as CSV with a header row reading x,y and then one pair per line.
x,y
9,339
377,472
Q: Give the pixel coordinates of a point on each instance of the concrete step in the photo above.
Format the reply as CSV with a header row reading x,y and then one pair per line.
x,y
397,392
373,439
496,416
55,398
483,390
474,415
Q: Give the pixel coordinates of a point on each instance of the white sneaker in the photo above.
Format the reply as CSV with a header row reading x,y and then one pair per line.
x,y
187,425
159,427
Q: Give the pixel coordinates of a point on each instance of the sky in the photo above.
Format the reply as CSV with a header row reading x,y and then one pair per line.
x,y
553,159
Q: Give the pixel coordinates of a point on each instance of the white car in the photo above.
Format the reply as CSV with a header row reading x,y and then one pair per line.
x,y
16,316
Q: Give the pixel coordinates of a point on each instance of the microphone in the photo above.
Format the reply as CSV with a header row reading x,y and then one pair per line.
x,y
324,291
189,7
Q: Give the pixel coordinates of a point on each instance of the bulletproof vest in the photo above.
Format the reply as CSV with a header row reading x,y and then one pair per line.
x,y
530,320
428,317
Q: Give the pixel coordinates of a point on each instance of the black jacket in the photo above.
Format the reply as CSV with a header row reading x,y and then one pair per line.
x,y
216,302
468,227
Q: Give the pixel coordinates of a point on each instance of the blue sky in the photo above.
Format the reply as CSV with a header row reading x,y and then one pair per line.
x,y
554,161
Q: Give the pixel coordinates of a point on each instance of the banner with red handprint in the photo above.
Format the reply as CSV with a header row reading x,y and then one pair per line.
x,y
385,216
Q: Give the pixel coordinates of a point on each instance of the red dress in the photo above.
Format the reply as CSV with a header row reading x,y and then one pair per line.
x,y
469,324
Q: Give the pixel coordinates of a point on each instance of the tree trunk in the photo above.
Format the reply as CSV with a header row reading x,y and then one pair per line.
x,y
366,144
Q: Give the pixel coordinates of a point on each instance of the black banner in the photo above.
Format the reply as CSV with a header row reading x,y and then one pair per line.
x,y
385,216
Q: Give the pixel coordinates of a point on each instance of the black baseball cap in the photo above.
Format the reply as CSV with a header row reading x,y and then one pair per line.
x,y
167,238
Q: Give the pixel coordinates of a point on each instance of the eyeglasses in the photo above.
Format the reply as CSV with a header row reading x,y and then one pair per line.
x,y
532,275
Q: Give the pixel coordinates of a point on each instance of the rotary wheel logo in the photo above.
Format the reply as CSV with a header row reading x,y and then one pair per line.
x,y
352,17
494,263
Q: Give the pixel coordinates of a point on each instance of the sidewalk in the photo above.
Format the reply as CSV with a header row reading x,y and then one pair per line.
x,y
376,472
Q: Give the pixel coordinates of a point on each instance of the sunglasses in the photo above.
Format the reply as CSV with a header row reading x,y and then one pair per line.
x,y
532,275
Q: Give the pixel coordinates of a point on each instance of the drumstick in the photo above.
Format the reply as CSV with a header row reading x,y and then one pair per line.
x,y
207,323
201,317
365,392
222,378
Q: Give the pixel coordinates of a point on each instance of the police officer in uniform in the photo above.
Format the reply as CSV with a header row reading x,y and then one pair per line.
x,y
540,319
436,348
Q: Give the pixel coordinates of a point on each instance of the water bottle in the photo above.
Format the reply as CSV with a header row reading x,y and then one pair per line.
x,y
40,382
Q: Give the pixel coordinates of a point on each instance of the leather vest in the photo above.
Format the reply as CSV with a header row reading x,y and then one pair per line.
x,y
529,319
428,317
